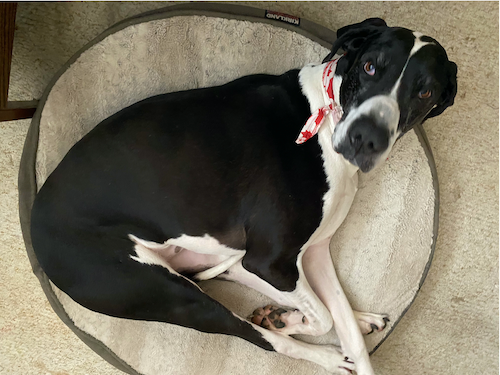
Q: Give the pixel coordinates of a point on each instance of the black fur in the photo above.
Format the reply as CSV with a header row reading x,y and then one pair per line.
x,y
159,169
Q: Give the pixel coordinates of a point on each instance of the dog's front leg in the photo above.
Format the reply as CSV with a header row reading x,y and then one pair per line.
x,y
311,316
320,273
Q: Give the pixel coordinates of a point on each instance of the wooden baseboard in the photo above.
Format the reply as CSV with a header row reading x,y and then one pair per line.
x,y
7,27
10,110
18,110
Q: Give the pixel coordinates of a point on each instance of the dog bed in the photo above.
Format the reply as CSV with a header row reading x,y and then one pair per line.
x,y
382,251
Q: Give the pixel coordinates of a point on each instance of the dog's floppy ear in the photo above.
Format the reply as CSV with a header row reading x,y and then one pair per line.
x,y
351,37
449,93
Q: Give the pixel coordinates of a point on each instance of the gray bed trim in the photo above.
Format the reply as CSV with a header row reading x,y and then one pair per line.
x,y
27,180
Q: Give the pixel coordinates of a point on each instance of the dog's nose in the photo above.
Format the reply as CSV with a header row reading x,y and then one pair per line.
x,y
367,137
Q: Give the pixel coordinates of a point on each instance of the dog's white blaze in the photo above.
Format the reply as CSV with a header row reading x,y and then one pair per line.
x,y
417,44
203,252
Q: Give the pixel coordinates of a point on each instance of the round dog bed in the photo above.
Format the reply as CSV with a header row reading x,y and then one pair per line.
x,y
382,251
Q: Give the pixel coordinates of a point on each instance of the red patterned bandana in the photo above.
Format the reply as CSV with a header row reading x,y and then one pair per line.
x,y
314,122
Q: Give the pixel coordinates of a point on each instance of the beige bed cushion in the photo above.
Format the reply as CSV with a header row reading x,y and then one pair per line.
x,y
381,251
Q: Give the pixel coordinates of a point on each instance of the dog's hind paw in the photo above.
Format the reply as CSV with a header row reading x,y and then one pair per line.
x,y
369,323
277,319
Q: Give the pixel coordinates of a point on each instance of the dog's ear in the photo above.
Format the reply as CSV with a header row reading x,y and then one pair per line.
x,y
448,96
351,37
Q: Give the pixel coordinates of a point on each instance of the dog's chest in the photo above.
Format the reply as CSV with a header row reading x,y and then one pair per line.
x,y
342,181
341,176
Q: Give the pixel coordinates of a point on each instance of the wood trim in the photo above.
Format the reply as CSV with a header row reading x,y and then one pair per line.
x,y
10,111
7,28
18,110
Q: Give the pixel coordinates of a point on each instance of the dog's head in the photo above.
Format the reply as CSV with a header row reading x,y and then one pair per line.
x,y
391,80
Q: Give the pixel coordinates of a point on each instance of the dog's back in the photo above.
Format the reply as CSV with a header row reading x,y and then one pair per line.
x,y
196,162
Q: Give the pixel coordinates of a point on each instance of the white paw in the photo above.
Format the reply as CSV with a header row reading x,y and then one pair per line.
x,y
369,323
333,361
347,367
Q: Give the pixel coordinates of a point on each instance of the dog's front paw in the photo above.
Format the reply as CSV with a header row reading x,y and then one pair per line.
x,y
369,323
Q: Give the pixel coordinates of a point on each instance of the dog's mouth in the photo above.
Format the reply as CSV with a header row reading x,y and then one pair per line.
x,y
364,164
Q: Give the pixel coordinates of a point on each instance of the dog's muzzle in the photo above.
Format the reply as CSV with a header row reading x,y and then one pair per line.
x,y
367,134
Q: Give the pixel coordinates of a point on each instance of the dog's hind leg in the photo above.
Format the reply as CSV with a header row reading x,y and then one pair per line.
x,y
327,356
141,291
304,313
288,318
291,321
102,275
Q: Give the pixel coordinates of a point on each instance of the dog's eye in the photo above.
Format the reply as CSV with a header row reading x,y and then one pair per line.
x,y
369,68
425,94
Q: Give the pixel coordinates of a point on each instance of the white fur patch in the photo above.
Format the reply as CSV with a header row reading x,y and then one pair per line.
x,y
326,356
239,274
146,254
320,273
417,44
319,318
341,175
201,252
203,245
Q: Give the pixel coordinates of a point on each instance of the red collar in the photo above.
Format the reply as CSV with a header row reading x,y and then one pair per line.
x,y
317,118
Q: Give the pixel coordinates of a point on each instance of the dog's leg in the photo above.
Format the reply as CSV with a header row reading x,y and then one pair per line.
x,y
320,273
288,318
305,313
159,294
324,355
292,321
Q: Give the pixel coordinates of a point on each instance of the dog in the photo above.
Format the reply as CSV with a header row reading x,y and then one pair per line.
x,y
247,182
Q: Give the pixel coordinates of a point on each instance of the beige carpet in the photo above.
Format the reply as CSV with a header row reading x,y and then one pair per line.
x,y
453,326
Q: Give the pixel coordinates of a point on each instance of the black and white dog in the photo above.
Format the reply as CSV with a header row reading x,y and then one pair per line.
x,y
212,183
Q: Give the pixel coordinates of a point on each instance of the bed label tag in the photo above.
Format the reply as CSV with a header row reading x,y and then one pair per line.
x,y
283,17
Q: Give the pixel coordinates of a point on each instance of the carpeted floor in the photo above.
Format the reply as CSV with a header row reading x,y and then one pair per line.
x,y
452,328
